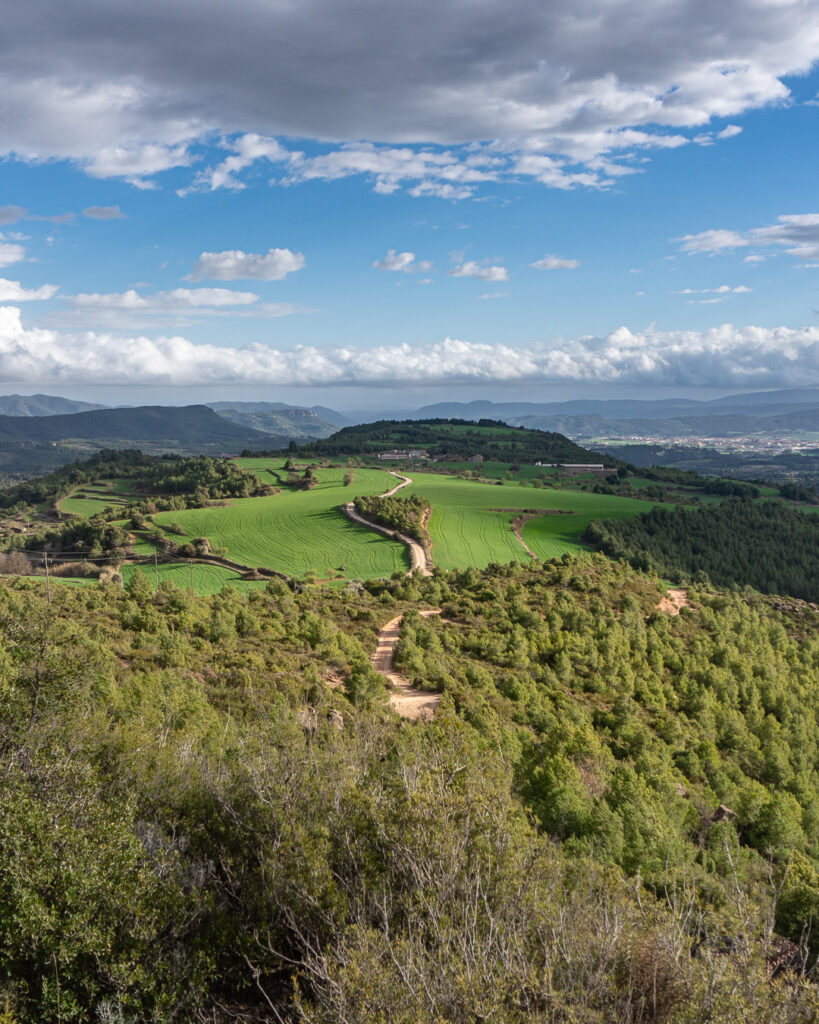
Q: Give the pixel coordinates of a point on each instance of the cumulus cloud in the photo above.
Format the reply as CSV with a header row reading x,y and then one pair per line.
x,y
234,264
550,262
103,213
11,252
730,131
797,234
471,268
131,91
724,356
396,261
13,291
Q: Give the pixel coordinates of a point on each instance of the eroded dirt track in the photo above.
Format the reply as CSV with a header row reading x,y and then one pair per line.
x,y
406,700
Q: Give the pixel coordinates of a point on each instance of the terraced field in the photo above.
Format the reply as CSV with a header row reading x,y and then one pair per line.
x,y
299,531
470,527
89,499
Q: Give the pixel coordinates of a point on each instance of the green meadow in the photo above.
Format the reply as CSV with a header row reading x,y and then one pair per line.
x,y
297,532
471,524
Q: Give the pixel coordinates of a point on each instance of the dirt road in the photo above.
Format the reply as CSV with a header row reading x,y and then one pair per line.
x,y
407,701
418,557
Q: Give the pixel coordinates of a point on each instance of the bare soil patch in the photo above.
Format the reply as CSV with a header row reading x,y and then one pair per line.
x,y
673,601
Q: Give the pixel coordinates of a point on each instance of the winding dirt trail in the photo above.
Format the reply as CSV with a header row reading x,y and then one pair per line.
x,y
419,560
407,701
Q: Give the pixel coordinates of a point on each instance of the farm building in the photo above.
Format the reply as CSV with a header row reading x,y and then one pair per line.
x,y
395,455
575,467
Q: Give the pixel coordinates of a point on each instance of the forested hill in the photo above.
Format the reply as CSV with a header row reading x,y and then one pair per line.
x,y
192,424
492,439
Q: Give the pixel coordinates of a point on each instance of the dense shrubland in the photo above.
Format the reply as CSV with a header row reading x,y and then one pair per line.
x,y
766,545
187,833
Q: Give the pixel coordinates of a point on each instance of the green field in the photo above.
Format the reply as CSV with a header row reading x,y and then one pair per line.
x,y
298,531
90,499
466,527
207,579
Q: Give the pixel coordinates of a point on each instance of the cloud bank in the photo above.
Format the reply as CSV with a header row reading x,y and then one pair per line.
x,y
556,91
725,356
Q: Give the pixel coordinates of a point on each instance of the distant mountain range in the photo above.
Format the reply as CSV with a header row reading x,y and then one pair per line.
x,y
765,403
190,425
283,420
773,414
42,405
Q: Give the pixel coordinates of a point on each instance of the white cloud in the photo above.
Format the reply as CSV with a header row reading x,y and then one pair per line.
x,y
11,214
103,213
132,90
754,257
179,307
13,291
234,264
550,262
473,269
724,356
711,241
797,234
11,252
493,295
178,298
396,261
723,289
730,131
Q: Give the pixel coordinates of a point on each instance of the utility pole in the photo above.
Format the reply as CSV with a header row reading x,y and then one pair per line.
x,y
48,580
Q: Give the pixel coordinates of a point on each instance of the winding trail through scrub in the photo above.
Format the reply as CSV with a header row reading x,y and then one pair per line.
x,y
419,559
408,701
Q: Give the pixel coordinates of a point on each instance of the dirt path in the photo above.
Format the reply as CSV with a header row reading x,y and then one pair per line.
x,y
407,701
673,601
419,560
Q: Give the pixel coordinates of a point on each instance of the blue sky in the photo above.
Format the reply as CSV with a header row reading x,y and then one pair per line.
x,y
371,206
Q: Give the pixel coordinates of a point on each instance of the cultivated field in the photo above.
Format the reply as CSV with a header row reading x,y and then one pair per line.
x,y
471,524
299,531
89,499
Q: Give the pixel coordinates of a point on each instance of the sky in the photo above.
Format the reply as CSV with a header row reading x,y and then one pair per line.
x,y
378,205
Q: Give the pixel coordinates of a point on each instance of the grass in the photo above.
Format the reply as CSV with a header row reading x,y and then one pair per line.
x,y
467,529
89,499
298,531
207,579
